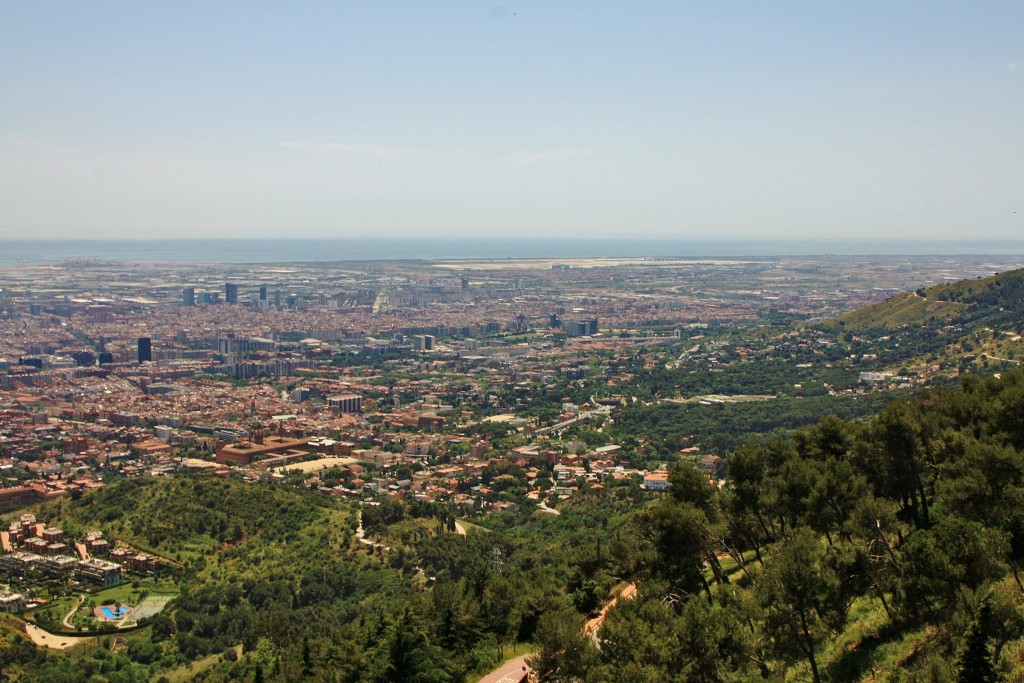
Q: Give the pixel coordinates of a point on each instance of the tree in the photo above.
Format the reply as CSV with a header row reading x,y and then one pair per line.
x,y
937,563
406,655
798,592
680,535
975,665
566,654
647,639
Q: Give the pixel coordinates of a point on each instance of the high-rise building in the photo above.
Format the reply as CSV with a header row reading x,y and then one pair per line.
x,y
188,296
145,349
263,292
346,403
423,342
231,293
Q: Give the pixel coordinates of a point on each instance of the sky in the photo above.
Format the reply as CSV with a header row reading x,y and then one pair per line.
x,y
654,120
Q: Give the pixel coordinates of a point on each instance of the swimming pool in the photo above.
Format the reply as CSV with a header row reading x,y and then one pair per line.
x,y
115,612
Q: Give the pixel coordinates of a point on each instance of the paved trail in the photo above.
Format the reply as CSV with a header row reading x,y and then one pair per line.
x,y
361,535
511,671
67,619
44,639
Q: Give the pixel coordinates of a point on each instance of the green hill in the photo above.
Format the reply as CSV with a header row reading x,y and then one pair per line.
x,y
909,308
970,325
996,302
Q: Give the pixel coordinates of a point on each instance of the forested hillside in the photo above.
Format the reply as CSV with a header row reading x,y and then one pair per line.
x,y
882,548
886,550
276,587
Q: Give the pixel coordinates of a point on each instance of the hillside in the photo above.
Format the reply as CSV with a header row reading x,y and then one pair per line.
x,y
251,563
273,584
887,548
909,308
995,302
945,330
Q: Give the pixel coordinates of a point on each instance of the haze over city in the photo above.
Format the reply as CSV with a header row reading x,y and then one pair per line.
x,y
514,119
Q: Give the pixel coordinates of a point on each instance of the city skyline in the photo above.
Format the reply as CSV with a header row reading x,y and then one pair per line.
x,y
512,119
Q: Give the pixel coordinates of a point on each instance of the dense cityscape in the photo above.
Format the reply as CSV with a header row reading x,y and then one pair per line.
x,y
142,369
476,390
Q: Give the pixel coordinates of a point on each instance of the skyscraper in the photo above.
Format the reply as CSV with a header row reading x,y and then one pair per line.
x,y
145,349
263,292
231,293
188,296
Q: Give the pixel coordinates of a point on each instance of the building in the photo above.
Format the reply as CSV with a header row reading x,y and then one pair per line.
x,y
423,342
582,328
656,481
96,544
136,561
16,496
145,349
11,602
242,345
60,566
53,535
246,453
149,449
263,292
22,563
430,422
188,296
231,293
346,403
99,572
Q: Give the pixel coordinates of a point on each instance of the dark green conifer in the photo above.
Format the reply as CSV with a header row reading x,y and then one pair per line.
x,y
975,664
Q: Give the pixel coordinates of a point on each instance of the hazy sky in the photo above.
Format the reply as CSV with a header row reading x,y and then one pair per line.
x,y
550,118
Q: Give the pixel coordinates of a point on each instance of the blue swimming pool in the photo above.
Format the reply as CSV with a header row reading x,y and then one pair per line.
x,y
115,612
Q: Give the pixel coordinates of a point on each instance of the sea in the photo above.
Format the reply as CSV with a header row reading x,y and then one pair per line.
x,y
282,250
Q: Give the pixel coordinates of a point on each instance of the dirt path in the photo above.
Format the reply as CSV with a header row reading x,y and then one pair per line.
x,y
361,535
543,507
591,627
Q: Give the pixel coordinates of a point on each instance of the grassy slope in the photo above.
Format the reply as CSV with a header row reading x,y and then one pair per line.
x,y
900,310
974,302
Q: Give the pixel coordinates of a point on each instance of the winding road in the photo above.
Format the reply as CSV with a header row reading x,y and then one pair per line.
x,y
67,619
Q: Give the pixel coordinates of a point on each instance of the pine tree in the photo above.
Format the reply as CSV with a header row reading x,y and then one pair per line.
x,y
975,664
